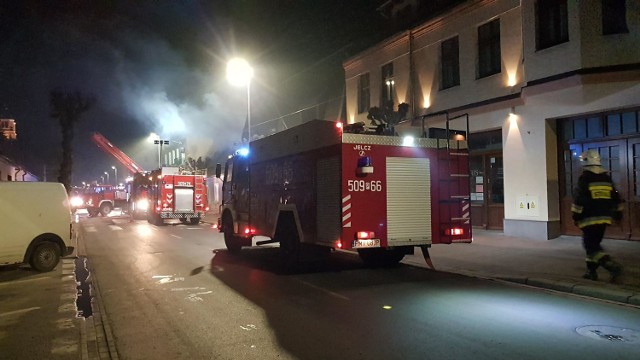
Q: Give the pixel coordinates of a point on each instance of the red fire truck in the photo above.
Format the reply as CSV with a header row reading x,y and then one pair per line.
x,y
177,194
101,199
133,199
316,187
165,193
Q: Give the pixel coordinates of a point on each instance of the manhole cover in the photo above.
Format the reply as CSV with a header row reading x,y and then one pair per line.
x,y
610,333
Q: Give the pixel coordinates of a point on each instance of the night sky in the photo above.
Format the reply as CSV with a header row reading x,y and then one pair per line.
x,y
158,66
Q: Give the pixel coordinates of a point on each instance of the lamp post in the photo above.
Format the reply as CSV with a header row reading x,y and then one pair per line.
x,y
160,142
102,177
115,179
239,73
106,173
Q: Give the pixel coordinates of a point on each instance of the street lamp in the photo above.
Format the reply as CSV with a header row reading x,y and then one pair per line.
x,y
239,73
160,142
115,179
102,177
106,173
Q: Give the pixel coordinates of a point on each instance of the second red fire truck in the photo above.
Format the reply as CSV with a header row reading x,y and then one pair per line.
x,y
165,193
315,187
176,194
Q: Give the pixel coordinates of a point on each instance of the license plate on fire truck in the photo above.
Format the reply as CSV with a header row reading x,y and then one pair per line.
x,y
365,243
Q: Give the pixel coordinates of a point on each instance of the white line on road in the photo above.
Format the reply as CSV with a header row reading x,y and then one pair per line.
x,y
19,311
90,229
115,227
324,290
176,236
23,281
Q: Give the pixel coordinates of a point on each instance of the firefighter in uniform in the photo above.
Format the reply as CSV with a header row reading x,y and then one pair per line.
x,y
596,204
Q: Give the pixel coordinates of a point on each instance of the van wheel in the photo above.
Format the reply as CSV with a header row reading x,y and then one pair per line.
x,y
45,257
105,209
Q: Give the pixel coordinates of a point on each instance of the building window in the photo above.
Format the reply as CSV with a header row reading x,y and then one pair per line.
x,y
614,17
388,85
450,56
552,25
363,93
489,59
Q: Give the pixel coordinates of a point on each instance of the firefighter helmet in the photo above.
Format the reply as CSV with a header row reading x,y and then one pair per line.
x,y
590,158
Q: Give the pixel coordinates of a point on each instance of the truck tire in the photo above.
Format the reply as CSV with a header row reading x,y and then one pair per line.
x,y
379,257
233,243
45,257
105,209
93,212
290,246
194,221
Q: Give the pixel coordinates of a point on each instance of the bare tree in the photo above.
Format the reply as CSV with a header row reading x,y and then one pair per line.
x,y
68,109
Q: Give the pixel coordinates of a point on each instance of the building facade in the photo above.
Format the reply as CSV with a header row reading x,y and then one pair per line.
x,y
539,81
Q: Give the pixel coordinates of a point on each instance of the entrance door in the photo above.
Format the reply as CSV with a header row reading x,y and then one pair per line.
x,y
487,191
621,158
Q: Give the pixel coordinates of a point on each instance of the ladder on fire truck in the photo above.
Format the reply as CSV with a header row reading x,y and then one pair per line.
x,y
454,180
114,151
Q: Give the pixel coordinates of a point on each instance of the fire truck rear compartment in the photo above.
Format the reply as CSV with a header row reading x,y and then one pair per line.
x,y
184,200
408,201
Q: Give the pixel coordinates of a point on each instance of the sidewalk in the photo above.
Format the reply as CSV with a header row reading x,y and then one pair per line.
x,y
556,264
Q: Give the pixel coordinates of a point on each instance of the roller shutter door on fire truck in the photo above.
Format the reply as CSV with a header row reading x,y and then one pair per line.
x,y
184,199
408,200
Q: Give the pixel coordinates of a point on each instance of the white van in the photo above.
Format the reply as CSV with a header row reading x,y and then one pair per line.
x,y
36,225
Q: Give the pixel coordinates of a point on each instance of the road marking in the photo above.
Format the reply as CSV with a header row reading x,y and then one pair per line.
x,y
324,290
165,279
194,228
19,311
115,227
90,229
176,236
23,281
196,296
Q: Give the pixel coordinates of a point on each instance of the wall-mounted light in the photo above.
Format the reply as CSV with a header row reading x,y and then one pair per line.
x,y
427,102
511,81
513,117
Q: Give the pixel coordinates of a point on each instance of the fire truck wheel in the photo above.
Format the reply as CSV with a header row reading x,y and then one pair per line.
x,y
93,212
45,257
105,209
290,247
232,242
194,221
379,257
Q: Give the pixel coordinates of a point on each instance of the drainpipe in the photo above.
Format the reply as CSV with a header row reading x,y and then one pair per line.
x,y
412,76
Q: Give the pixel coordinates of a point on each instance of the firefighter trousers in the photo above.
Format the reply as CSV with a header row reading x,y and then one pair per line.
x,y
591,238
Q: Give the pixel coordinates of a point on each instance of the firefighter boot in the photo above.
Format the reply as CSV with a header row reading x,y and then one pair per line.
x,y
591,273
614,268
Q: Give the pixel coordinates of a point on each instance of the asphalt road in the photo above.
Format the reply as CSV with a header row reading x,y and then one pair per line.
x,y
173,292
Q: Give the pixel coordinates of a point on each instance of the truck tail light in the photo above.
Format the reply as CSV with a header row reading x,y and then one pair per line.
x,y
365,235
454,231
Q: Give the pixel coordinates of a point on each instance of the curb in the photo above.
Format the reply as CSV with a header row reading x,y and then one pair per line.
x,y
622,296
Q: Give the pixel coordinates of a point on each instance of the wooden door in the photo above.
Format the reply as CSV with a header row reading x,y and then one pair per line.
x,y
487,191
621,158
